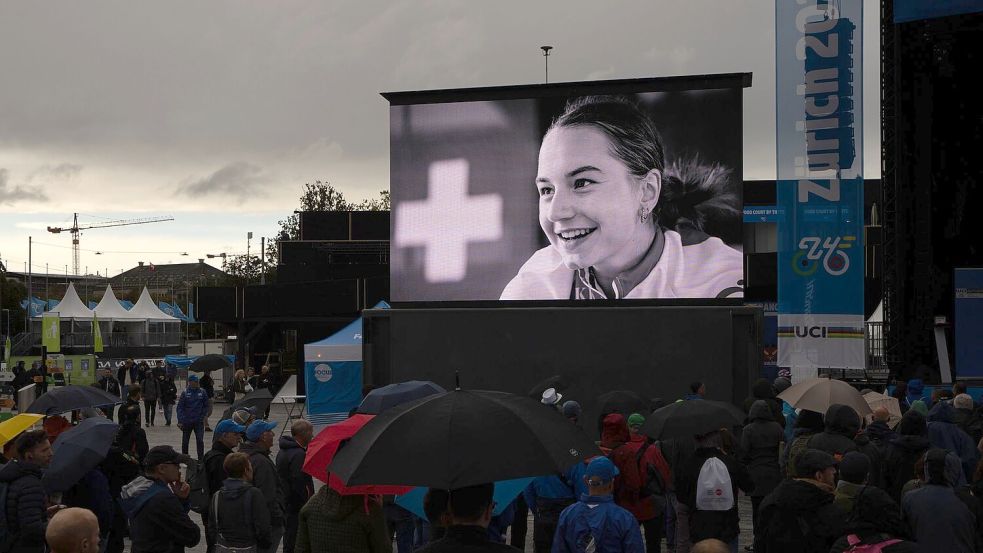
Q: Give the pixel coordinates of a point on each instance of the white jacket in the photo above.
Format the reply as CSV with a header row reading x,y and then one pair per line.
x,y
708,269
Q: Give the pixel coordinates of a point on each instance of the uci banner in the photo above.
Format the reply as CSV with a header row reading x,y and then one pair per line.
x,y
819,140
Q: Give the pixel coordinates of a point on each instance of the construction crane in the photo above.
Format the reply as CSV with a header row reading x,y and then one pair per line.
x,y
76,231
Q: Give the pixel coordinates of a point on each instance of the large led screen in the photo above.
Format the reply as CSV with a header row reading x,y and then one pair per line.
x,y
601,190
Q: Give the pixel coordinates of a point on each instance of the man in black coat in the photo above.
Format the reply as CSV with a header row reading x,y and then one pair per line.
x,y
471,512
228,436
799,515
157,505
25,509
297,485
108,384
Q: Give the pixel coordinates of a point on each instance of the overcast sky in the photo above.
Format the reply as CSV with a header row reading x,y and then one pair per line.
x,y
217,113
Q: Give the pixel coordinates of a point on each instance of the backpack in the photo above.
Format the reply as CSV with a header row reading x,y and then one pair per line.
x,y
714,491
857,547
799,445
200,495
637,479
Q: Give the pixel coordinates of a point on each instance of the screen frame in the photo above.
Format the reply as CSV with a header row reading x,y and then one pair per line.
x,y
570,89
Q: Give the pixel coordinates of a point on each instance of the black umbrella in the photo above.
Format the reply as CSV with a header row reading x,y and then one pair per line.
x,y
258,400
69,398
77,451
461,438
380,399
620,401
685,419
210,362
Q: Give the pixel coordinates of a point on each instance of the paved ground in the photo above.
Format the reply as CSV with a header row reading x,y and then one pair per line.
x,y
161,435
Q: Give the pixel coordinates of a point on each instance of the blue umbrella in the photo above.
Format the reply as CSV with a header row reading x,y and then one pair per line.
x,y
380,399
77,451
505,492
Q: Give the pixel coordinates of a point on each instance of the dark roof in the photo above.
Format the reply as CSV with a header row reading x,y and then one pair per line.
x,y
192,272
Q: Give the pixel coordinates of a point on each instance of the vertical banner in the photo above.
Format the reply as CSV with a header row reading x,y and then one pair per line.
x,y
96,335
51,332
819,142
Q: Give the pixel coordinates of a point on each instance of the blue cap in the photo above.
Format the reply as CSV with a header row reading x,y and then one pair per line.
x,y
602,468
257,428
192,378
229,425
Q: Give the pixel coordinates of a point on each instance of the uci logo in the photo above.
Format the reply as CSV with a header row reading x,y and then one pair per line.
x,y
322,372
813,252
810,331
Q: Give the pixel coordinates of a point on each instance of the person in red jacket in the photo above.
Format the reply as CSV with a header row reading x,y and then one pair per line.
x,y
641,485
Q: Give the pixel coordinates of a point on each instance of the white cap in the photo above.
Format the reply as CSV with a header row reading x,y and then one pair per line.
x,y
551,397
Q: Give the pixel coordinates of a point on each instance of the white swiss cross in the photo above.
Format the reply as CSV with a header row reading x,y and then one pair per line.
x,y
447,221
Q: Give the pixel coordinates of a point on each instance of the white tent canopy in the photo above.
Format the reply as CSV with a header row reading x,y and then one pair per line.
x,y
109,308
71,306
147,310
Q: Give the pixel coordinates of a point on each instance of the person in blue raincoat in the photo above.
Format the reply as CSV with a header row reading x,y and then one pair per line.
x,y
596,519
547,496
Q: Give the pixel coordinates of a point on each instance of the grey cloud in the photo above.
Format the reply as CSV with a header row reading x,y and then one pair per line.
x,y
239,180
10,194
60,171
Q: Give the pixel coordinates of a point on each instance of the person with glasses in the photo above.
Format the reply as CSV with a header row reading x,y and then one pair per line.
x,y
156,505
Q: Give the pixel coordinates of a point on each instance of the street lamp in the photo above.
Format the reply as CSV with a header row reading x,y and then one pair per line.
x,y
223,255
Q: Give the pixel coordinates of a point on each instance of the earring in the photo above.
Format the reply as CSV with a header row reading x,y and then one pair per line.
x,y
643,215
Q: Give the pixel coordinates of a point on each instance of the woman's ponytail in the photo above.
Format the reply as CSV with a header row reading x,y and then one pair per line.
x,y
700,196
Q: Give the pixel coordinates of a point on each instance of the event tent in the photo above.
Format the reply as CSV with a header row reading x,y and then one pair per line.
x,y
71,306
333,373
109,308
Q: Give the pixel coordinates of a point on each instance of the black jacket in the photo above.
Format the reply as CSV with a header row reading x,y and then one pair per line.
x,y
298,486
214,466
159,521
722,525
239,516
842,425
27,519
764,390
266,479
465,539
760,442
108,384
168,392
971,423
798,516
903,452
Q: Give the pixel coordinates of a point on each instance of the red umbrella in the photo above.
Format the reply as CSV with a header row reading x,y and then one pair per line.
x,y
323,448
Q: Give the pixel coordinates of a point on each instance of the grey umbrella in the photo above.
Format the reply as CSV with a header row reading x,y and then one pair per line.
x,y
257,400
77,451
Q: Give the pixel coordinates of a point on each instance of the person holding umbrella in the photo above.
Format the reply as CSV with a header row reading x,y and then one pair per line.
x,y
156,505
25,510
596,520
470,513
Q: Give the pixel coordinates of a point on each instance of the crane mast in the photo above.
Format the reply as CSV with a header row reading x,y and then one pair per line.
x,y
76,231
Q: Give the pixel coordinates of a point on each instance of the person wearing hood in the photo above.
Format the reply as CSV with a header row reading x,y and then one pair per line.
x,y
872,517
807,425
936,517
916,392
643,485
238,517
903,452
967,417
900,393
799,515
157,505
614,433
944,433
760,443
765,391
25,509
335,523
705,524
841,426
259,441
781,384
297,484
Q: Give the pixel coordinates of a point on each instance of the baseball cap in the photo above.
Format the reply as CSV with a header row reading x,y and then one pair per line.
x,y
192,378
229,425
161,454
257,428
811,461
601,467
636,419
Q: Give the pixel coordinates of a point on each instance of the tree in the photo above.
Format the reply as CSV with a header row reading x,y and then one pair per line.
x,y
11,294
242,269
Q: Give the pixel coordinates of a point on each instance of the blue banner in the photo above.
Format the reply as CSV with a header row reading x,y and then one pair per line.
x,y
969,323
819,138
912,10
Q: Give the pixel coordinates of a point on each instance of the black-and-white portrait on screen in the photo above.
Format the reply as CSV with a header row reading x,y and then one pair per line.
x,y
607,196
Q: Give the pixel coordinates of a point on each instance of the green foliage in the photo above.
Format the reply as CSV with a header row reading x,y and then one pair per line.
x,y
11,294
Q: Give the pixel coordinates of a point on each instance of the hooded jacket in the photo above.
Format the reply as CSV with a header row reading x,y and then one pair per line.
x,y
612,527
842,425
915,392
297,484
903,452
332,523
27,519
969,421
934,513
159,521
807,424
944,433
722,525
764,390
873,517
241,518
266,479
760,443
168,391
880,433
150,387
799,505
614,433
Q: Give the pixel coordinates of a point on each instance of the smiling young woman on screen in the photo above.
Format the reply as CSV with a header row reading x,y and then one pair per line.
x,y
620,225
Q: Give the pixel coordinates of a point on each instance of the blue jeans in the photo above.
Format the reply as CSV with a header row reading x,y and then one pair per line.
x,y
168,409
199,429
